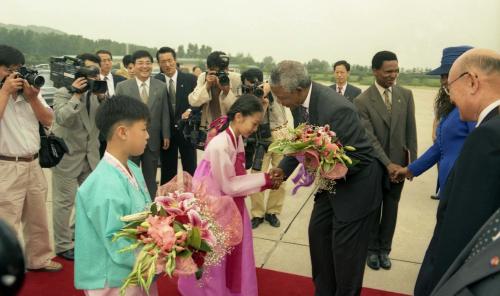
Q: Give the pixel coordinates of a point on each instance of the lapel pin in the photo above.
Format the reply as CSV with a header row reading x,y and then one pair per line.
x,y
494,261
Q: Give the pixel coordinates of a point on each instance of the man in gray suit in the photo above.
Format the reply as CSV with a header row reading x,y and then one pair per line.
x,y
154,93
388,114
476,271
341,71
75,111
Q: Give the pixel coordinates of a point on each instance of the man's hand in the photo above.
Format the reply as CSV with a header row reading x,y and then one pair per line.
x,y
166,144
404,173
392,169
80,84
12,84
277,176
30,92
186,114
211,79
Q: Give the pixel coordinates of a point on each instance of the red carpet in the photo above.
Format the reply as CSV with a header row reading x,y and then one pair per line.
x,y
271,283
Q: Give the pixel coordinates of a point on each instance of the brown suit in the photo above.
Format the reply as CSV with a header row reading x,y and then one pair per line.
x,y
394,137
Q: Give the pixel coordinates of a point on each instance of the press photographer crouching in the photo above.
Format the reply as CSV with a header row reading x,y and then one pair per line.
x,y
75,106
215,92
257,156
23,187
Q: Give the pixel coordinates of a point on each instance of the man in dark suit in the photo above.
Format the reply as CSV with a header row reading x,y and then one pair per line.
x,y
155,94
476,271
388,113
179,85
341,71
341,219
112,80
471,194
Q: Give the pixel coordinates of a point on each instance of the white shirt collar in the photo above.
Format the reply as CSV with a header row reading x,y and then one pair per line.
x,y
382,89
308,98
110,158
109,76
486,111
174,77
139,82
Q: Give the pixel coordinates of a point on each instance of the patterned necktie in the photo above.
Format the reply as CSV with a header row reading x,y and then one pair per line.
x,y
171,92
340,90
489,234
387,100
107,88
144,93
304,114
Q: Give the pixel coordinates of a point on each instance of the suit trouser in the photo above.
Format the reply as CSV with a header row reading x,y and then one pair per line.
x,y
148,162
385,222
23,193
338,250
63,200
169,157
276,197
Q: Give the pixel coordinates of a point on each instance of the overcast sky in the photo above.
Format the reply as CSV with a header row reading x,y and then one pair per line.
x,y
416,31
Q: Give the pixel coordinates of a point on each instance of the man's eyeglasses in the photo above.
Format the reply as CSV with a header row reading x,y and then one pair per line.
x,y
446,88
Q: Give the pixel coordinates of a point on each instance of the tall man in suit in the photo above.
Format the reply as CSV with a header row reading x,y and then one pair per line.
x,y
75,124
388,114
154,93
471,194
341,220
112,80
341,71
180,85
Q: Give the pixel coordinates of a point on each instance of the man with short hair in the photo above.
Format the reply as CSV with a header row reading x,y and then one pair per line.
x,y
75,123
341,71
23,187
388,113
214,96
471,193
179,85
154,93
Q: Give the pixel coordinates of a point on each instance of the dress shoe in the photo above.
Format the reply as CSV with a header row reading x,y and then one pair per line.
x,y
373,262
435,197
51,267
385,262
256,221
273,220
68,255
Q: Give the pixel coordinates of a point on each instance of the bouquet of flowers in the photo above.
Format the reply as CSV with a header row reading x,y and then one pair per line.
x,y
179,234
319,151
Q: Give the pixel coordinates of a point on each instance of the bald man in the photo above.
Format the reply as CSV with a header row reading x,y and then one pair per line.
x,y
472,191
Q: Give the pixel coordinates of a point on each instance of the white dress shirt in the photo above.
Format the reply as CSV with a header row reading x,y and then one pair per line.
x,y
342,88
139,84
487,110
381,91
111,84
174,78
19,129
308,99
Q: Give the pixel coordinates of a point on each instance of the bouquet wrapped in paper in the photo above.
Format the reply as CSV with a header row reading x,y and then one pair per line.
x,y
184,231
322,155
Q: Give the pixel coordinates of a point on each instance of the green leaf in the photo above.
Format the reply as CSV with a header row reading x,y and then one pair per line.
x,y
205,247
195,238
154,209
199,273
185,254
178,227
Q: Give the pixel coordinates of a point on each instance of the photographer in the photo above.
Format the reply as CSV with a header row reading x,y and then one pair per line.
x,y
216,89
23,187
75,110
258,158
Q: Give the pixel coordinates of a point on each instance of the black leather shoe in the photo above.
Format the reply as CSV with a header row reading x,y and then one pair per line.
x,y
385,262
273,220
373,262
435,197
256,221
68,255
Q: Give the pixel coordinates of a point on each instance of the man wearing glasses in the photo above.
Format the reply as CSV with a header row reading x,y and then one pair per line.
x,y
471,193
153,93
23,187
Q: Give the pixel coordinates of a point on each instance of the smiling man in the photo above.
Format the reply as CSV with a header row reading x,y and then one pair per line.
x,y
388,113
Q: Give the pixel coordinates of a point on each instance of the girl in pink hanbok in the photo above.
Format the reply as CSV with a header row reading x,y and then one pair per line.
x,y
222,170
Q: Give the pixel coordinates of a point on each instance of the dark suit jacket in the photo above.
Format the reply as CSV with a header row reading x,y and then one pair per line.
x,y
159,125
471,195
186,83
393,134
117,79
350,93
352,200
477,276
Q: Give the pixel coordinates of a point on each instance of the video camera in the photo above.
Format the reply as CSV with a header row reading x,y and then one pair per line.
x,y
254,89
30,75
256,146
64,71
192,131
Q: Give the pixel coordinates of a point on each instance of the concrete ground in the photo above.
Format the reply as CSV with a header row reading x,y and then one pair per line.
x,y
286,248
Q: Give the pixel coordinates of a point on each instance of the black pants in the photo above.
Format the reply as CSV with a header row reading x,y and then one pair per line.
x,y
149,165
338,250
169,157
385,221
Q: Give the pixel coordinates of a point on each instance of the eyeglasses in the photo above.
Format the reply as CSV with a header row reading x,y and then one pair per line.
x,y
446,88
